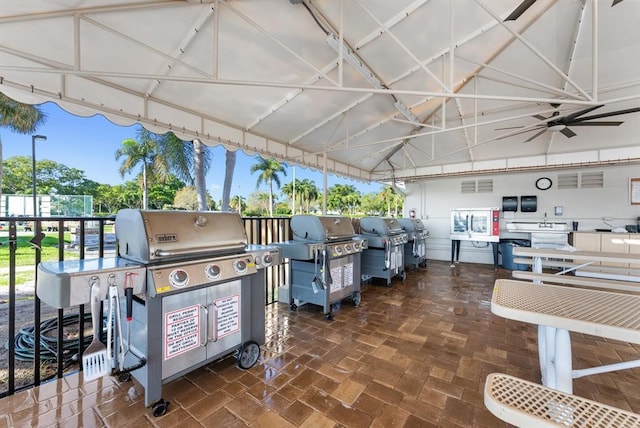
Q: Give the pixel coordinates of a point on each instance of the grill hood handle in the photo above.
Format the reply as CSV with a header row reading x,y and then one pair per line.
x,y
194,251
306,234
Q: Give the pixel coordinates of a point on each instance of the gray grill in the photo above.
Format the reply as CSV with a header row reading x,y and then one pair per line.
x,y
198,293
384,258
415,250
324,261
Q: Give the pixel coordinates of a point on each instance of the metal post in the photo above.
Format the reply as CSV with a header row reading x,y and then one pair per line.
x,y
33,172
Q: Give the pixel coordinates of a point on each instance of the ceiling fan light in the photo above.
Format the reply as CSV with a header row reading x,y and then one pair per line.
x,y
556,128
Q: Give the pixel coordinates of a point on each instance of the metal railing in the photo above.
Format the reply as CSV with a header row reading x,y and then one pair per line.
x,y
35,353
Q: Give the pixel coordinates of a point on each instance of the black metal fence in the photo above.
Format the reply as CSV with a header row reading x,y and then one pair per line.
x,y
38,343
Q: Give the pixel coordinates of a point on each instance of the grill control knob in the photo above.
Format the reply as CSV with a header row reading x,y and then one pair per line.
x,y
338,250
201,221
267,259
179,278
347,247
356,246
240,266
212,271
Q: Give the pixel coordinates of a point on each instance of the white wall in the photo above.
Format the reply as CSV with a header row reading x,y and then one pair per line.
x,y
433,198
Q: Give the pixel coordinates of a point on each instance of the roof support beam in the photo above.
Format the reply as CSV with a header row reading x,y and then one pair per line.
x,y
402,46
291,85
277,41
201,21
535,51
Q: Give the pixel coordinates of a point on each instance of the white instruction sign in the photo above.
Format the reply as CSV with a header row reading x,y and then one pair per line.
x,y
228,310
336,276
348,275
182,329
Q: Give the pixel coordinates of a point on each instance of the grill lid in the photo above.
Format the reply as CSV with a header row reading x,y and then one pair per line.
x,y
321,228
380,226
411,224
147,236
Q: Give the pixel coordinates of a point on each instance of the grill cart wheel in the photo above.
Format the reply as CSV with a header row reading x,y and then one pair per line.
x,y
248,355
404,275
294,307
423,264
329,316
357,298
160,407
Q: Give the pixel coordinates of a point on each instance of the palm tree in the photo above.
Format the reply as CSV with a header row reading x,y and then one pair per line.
x,y
189,161
288,191
309,193
20,118
145,152
230,166
238,203
269,170
387,195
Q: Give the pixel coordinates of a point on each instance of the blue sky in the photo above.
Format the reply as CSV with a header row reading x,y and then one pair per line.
x,y
89,144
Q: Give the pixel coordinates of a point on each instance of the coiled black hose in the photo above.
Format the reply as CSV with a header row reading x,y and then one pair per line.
x,y
25,344
25,341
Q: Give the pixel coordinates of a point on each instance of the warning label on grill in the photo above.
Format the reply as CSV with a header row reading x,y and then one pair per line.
x,y
182,329
228,315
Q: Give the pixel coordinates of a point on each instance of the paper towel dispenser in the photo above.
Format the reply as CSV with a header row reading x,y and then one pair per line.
x,y
528,204
509,203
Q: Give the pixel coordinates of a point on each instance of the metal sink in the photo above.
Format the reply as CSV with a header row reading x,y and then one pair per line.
x,y
536,226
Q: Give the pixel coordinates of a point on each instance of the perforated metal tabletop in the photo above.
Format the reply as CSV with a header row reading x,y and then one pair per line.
x,y
595,312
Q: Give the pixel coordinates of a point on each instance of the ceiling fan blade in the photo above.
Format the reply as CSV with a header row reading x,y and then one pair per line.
x,y
611,113
510,127
529,129
526,4
539,117
604,123
536,135
615,2
574,116
567,133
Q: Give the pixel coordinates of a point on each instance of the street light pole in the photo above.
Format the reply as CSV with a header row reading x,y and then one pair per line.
x,y
33,171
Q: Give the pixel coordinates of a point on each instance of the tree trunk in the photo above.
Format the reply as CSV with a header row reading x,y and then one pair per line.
x,y
145,192
270,198
230,165
1,172
199,176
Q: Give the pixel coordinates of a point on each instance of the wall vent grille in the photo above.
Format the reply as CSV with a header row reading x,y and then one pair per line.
x,y
477,186
592,180
485,186
568,181
468,187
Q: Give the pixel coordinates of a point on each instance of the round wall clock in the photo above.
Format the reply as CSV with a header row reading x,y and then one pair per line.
x,y
543,183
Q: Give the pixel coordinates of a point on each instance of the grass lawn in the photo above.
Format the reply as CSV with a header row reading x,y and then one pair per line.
x,y
26,255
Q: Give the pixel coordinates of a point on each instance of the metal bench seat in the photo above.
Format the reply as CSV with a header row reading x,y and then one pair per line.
x,y
527,404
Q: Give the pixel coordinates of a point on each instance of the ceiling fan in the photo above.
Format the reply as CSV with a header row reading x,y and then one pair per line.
x,y
558,123
526,4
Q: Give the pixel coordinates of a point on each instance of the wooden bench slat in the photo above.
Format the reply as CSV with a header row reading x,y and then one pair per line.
x,y
527,404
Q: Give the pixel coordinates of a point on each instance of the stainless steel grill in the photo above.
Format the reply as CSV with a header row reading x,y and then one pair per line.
x,y
384,258
197,293
324,261
415,250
